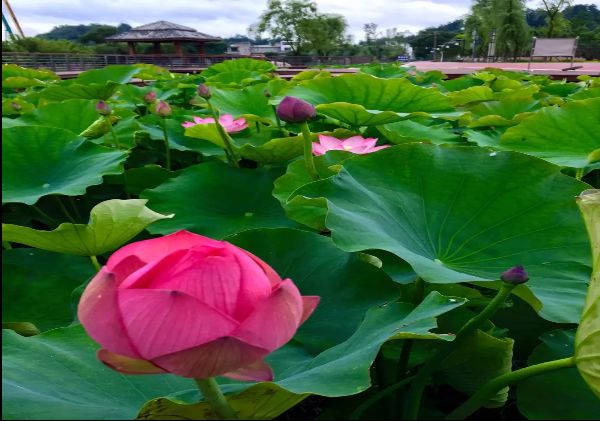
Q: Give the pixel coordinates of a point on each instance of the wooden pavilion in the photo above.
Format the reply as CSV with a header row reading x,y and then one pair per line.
x,y
163,32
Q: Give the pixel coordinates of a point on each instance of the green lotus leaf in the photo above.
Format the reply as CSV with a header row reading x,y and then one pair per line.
x,y
372,93
112,224
20,83
471,94
412,131
310,74
216,200
116,73
62,92
356,115
74,115
9,109
385,70
562,135
556,395
237,78
243,64
38,161
69,382
460,214
460,83
273,151
478,359
13,70
505,108
587,340
239,102
37,286
586,93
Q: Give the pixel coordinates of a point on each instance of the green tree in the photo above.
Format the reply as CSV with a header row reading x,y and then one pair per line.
x,y
512,32
98,34
323,33
284,20
554,18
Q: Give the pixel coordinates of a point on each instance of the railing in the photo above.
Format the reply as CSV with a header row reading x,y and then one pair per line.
x,y
67,62
78,62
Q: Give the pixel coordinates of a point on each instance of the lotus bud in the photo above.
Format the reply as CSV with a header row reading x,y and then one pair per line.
x,y
163,109
103,108
204,91
516,275
16,106
150,97
295,110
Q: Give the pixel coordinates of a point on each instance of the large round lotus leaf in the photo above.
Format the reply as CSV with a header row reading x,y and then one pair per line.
x,y
348,286
565,135
587,341
74,115
245,64
78,91
37,286
372,93
216,200
38,161
117,73
56,375
460,214
556,395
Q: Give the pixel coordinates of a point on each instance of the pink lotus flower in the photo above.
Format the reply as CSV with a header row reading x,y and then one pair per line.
x,y
226,120
192,306
354,144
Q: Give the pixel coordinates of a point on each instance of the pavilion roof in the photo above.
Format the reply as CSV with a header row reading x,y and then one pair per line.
x,y
162,31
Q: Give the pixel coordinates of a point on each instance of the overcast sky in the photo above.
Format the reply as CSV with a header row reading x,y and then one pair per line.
x,y
228,17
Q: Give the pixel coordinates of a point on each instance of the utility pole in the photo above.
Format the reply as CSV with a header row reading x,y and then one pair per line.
x,y
492,47
434,45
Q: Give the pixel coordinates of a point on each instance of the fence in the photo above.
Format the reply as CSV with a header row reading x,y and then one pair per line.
x,y
78,62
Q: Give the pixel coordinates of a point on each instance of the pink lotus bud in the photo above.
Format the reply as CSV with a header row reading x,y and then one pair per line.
x,y
355,144
204,91
163,109
192,306
150,97
295,110
15,106
103,108
516,275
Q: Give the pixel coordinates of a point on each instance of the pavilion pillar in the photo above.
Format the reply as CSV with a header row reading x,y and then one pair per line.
x,y
178,49
156,47
131,48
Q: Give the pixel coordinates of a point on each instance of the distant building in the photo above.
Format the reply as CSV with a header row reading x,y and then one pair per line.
x,y
247,49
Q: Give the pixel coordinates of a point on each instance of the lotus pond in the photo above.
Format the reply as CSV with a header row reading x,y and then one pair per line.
x,y
450,228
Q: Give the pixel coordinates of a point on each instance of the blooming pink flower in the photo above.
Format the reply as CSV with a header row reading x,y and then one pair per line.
x,y
354,144
226,120
192,306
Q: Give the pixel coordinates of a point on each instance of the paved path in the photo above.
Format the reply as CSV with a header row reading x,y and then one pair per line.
x,y
553,68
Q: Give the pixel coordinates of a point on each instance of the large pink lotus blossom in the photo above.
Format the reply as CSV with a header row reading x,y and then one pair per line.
x,y
226,120
354,144
192,306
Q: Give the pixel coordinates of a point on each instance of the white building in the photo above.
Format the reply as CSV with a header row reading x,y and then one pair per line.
x,y
246,48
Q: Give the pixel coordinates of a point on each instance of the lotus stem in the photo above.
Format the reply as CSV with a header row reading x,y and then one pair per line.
x,y
415,394
112,132
358,412
279,126
64,209
45,215
167,147
493,386
231,157
308,155
94,260
214,396
75,210
579,174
